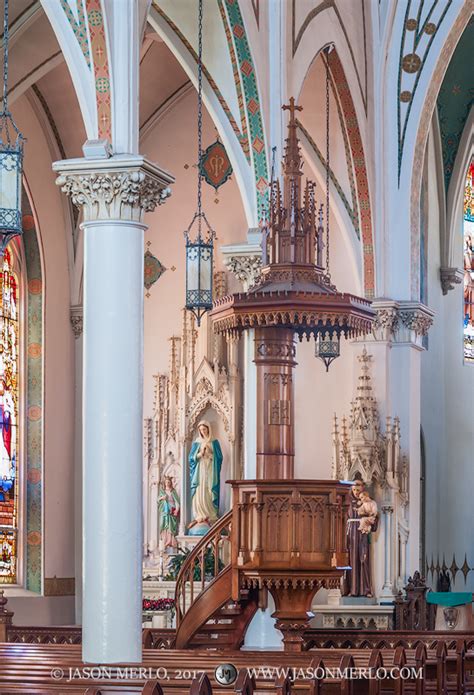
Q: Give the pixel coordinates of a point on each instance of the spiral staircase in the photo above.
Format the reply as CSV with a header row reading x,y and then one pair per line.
x,y
206,615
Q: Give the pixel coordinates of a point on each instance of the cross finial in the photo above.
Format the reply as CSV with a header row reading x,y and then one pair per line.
x,y
292,107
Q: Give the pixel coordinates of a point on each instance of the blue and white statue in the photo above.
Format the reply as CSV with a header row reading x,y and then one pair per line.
x,y
205,463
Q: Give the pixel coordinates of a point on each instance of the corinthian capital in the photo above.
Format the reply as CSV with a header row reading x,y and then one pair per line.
x,y
416,317
244,261
247,269
122,187
401,321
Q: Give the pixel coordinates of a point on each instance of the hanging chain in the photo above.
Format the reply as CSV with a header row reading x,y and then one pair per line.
x,y
5,56
199,194
328,169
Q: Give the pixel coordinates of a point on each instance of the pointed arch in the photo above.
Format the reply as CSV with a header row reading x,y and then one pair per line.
x,y
421,120
243,136
357,213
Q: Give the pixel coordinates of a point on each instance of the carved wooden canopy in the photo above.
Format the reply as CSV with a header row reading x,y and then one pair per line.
x,y
294,290
305,313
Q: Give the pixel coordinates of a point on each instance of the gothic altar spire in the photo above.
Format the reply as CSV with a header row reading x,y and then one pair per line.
x,y
294,230
292,163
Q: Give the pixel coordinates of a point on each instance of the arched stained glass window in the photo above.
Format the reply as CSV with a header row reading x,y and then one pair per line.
x,y
9,395
468,259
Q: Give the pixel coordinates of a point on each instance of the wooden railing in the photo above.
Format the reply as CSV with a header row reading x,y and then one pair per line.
x,y
209,557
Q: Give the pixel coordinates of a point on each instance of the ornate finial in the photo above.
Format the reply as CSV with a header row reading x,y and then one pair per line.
x,y
364,358
364,387
292,162
291,107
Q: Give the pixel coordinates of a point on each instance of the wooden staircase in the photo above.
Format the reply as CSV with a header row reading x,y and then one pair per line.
x,y
211,619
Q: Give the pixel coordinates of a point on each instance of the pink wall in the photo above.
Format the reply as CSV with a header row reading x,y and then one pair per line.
x,y
58,505
173,145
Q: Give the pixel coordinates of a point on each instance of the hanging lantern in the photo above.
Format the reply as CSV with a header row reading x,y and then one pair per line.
x,y
199,249
199,268
327,348
11,159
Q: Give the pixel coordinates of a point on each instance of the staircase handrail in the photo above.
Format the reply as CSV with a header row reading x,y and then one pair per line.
x,y
186,573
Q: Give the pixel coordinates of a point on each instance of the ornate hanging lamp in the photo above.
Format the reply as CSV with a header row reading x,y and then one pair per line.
x,y
11,158
199,248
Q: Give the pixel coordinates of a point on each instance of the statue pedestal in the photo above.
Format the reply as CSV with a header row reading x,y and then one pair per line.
x,y
187,542
198,530
357,601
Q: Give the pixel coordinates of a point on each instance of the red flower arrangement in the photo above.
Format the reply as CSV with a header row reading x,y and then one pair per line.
x,y
158,604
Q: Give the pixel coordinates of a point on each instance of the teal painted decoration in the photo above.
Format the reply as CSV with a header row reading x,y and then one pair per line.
x,y
455,99
215,166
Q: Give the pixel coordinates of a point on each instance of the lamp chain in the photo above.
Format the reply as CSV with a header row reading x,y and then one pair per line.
x,y
328,168
199,194
5,57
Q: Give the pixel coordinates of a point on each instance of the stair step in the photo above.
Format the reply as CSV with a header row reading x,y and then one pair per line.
x,y
218,642
213,627
229,611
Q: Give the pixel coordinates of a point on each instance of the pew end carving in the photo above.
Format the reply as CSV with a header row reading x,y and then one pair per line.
x,y
413,612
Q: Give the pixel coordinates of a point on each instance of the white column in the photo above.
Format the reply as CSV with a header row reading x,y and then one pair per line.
x,y
403,560
151,514
112,413
184,516
250,406
114,194
387,589
77,328
397,345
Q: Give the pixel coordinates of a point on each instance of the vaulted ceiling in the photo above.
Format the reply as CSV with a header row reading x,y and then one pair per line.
x,y
455,99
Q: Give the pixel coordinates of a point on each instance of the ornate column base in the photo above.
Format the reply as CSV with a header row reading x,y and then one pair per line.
x,y
293,599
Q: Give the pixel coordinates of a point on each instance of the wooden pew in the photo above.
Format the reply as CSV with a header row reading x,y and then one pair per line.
x,y
245,683
31,664
201,686
152,688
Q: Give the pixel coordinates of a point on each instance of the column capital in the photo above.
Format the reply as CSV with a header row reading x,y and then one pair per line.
x,y
416,317
401,322
77,320
121,187
245,260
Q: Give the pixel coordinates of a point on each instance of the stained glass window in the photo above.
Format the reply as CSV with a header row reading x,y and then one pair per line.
x,y
9,392
468,259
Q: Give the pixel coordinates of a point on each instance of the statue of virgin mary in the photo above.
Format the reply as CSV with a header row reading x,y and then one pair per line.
x,y
205,462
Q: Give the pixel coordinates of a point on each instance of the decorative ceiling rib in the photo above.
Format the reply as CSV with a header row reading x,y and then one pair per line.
x,y
240,130
250,132
421,24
